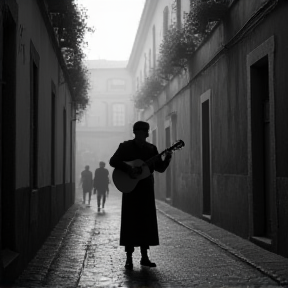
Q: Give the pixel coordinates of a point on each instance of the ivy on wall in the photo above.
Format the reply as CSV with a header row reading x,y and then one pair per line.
x,y
178,45
70,26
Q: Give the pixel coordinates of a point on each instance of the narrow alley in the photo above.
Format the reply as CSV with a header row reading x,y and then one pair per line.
x,y
83,251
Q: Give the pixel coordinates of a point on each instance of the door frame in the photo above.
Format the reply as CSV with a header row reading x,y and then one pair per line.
x,y
267,48
206,96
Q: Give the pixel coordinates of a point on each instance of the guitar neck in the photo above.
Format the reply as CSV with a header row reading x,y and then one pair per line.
x,y
178,145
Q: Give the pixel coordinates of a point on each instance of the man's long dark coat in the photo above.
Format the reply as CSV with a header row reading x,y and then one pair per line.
x,y
138,218
101,180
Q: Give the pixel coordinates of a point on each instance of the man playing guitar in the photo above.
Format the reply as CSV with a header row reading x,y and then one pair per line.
x,y
138,218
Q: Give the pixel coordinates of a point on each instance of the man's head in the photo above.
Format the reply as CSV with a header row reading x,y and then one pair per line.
x,y
141,129
102,164
87,167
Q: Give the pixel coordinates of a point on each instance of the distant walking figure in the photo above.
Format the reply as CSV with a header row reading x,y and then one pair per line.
x,y
101,184
138,219
87,183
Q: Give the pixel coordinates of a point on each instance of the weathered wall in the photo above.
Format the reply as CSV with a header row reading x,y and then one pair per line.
x,y
48,71
36,212
220,66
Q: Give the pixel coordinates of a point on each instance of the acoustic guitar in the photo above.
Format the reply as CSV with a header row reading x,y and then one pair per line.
x,y
124,183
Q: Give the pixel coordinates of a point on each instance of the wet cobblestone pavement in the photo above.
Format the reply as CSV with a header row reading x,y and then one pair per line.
x,y
83,251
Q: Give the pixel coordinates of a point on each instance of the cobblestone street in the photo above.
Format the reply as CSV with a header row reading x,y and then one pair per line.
x,y
83,251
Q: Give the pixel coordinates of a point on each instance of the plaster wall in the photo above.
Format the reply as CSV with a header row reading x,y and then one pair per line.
x,y
31,213
49,71
220,65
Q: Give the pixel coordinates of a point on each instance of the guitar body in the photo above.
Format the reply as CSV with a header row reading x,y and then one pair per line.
x,y
124,182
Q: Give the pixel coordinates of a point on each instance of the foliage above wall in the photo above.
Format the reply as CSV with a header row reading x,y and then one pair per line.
x,y
151,88
179,44
70,25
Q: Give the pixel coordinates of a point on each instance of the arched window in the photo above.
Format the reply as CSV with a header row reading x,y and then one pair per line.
x,y
165,20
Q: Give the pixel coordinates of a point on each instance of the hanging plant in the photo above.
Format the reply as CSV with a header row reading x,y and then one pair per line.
x,y
70,25
175,51
204,14
178,46
150,89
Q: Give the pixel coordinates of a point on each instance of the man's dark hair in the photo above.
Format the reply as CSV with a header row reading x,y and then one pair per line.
x,y
141,125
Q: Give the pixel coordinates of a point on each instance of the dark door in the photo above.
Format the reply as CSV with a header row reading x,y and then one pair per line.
x,y
168,171
261,155
206,158
64,156
8,130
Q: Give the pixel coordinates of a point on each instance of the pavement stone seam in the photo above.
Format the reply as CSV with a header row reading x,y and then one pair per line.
x,y
85,257
70,214
73,210
272,275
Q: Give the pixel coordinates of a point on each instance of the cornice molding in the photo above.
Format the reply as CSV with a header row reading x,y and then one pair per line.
x,y
141,35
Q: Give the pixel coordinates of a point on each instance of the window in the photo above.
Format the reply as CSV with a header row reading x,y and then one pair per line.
x,y
137,84
165,20
178,11
149,60
145,66
154,46
118,115
116,85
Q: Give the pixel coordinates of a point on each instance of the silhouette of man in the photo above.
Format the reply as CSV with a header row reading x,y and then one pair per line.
x,y
87,183
101,182
138,217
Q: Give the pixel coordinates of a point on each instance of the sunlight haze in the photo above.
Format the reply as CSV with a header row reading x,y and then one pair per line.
x,y
115,23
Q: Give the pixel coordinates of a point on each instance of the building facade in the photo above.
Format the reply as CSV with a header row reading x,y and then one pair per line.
x,y
230,109
108,120
37,133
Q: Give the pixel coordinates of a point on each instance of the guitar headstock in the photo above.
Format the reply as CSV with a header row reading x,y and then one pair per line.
x,y
179,144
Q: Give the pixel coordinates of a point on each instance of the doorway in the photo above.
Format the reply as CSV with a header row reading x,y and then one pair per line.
x,y
168,170
261,164
263,219
8,132
206,154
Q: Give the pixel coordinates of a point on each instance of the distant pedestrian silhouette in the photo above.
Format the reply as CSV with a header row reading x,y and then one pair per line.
x,y
87,183
138,219
101,184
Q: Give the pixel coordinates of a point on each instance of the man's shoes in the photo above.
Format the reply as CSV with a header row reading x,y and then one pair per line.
x,y
129,263
147,262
